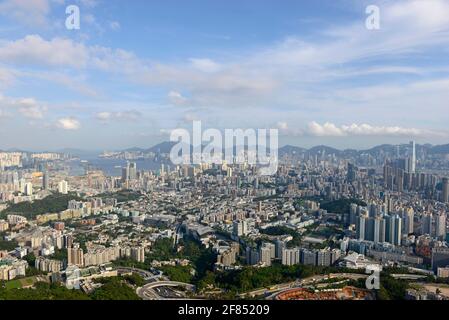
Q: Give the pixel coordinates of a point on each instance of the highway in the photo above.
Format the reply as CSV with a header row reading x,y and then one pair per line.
x,y
146,275
158,290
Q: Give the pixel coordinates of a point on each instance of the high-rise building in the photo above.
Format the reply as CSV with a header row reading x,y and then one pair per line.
x,y
252,256
290,257
132,171
308,257
379,230
272,248
45,182
393,229
324,257
440,226
409,216
426,223
63,187
361,226
125,173
265,253
352,172
28,189
353,211
75,256
445,193
279,246
240,228
412,166
440,258
397,234
138,254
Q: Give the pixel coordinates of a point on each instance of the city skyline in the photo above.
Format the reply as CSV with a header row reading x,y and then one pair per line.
x,y
131,74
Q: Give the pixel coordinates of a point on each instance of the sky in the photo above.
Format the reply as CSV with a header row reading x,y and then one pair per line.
x,y
135,70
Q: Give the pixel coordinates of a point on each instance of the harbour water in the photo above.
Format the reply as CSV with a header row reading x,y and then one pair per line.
x,y
111,167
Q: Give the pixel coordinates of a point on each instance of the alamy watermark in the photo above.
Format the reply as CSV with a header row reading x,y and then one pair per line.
x,y
73,20
372,22
253,147
373,280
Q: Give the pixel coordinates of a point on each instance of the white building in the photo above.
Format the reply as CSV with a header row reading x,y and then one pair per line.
x,y
290,257
63,187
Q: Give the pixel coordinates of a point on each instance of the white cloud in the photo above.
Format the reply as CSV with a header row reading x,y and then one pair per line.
x,y
68,123
282,125
128,115
7,77
329,129
28,107
29,12
205,65
33,50
104,116
176,98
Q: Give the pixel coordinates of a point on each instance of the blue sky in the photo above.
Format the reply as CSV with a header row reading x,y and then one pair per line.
x,y
136,70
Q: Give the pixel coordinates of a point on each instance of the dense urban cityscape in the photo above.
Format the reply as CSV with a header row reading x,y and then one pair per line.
x,y
327,221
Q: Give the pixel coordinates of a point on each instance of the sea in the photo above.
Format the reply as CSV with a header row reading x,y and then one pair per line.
x,y
110,167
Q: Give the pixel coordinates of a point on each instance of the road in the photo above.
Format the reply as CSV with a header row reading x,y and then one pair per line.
x,y
146,275
158,290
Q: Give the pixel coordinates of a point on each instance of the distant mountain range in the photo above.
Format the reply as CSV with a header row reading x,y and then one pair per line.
x,y
381,149
165,147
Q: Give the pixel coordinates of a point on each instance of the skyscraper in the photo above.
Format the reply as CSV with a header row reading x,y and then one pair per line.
x,y
280,245
440,258
352,172
445,193
75,256
412,158
393,229
290,257
353,209
125,173
132,171
240,228
379,230
360,227
409,216
397,235
440,226
45,181
266,253
29,189
426,224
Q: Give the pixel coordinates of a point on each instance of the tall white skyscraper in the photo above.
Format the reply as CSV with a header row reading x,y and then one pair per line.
x,y
409,216
440,225
412,159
